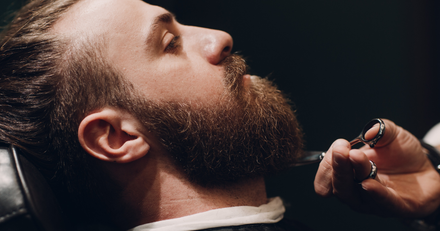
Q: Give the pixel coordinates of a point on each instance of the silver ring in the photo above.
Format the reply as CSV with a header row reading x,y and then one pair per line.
x,y
372,175
373,172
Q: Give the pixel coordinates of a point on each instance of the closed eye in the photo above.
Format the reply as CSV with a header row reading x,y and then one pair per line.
x,y
173,45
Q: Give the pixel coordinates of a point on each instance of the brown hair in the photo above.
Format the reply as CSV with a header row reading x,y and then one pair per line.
x,y
47,85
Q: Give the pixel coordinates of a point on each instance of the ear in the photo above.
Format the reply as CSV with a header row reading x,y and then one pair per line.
x,y
113,135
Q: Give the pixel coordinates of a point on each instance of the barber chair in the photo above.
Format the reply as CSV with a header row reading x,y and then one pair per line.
x,y
26,201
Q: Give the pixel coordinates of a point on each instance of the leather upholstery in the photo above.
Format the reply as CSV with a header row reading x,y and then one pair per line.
x,y
26,200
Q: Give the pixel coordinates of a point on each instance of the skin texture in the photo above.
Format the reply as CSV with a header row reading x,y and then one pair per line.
x,y
406,185
188,72
150,187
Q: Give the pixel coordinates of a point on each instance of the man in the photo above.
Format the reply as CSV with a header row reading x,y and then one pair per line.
x,y
139,120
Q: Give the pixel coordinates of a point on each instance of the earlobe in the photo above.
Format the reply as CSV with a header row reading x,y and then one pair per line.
x,y
112,135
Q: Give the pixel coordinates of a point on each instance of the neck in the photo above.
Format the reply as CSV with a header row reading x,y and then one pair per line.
x,y
180,198
167,194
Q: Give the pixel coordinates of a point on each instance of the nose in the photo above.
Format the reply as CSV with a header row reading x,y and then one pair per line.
x,y
214,45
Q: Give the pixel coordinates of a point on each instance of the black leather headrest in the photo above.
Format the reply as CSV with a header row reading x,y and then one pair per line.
x,y
26,199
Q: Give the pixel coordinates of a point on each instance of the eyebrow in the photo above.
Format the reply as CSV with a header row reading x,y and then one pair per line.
x,y
166,18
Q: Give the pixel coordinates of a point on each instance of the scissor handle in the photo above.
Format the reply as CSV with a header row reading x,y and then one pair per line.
x,y
310,157
377,137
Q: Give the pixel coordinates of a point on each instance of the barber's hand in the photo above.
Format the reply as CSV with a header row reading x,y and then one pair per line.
x,y
407,185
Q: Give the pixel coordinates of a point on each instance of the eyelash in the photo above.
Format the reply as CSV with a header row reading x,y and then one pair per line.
x,y
173,45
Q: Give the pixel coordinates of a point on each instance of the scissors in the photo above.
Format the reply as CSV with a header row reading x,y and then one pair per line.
x,y
310,157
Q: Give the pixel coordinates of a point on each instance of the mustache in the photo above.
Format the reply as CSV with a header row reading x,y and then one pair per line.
x,y
235,67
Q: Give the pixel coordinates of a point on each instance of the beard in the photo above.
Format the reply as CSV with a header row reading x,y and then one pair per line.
x,y
249,131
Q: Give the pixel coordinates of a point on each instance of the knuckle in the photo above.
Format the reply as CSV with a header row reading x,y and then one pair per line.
x,y
323,189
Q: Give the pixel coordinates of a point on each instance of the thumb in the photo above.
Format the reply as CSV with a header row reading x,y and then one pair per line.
x,y
390,133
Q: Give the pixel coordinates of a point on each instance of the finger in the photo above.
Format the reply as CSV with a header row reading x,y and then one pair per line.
x,y
382,198
390,133
324,177
343,184
414,195
372,132
361,164
398,151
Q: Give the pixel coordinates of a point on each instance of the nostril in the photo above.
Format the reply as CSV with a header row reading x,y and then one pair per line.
x,y
227,49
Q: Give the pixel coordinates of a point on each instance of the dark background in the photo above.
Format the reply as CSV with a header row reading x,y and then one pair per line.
x,y
342,63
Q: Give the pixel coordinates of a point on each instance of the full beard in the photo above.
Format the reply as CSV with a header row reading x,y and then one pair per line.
x,y
249,132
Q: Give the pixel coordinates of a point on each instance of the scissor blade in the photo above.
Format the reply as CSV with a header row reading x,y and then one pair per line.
x,y
308,157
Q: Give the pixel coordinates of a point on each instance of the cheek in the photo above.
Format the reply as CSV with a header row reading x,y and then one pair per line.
x,y
188,79
186,82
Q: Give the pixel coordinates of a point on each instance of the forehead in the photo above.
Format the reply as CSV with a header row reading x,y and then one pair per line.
x,y
104,16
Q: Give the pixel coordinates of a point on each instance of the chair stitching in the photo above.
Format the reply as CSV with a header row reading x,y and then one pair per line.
x,y
6,216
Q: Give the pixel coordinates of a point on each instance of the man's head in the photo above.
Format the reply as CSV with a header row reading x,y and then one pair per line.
x,y
119,75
